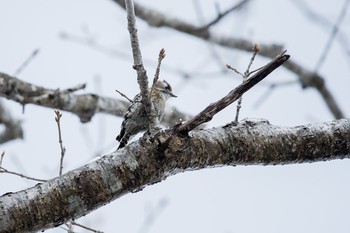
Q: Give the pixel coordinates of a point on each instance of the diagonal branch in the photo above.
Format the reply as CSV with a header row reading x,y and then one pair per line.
x,y
251,142
332,35
221,15
208,113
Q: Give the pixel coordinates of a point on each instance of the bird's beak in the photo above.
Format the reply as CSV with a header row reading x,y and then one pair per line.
x,y
172,95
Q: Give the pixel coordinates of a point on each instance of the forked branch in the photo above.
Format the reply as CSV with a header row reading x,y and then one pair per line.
x,y
208,113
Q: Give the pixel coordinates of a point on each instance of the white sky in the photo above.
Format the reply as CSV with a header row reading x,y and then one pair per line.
x,y
293,198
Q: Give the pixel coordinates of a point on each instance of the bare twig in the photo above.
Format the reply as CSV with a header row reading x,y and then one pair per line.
x,y
270,88
115,52
323,22
156,75
208,113
142,78
234,69
226,12
123,95
26,62
63,152
152,215
256,49
63,149
214,54
85,227
245,76
4,170
1,158
332,36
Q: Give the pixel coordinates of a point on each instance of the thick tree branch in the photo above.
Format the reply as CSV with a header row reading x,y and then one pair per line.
x,y
208,113
151,160
306,77
85,106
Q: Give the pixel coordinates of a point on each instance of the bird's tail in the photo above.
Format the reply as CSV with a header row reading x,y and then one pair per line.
x,y
123,140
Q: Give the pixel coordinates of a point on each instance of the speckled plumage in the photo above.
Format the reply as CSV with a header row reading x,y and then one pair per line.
x,y
136,120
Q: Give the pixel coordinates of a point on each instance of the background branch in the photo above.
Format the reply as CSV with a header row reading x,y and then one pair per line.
x,y
221,15
306,77
12,129
332,35
85,106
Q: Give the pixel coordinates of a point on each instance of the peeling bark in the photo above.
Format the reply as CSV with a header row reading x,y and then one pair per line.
x,y
153,159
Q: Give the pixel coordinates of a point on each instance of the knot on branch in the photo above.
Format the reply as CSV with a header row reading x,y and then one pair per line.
x,y
137,66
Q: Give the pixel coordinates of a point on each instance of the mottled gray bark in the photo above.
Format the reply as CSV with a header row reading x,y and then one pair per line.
x,y
153,159
85,106
12,127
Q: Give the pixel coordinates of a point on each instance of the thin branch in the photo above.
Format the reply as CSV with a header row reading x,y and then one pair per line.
x,y
156,75
332,36
114,52
142,78
63,149
152,215
123,95
234,69
269,90
245,76
221,15
4,170
208,113
256,49
85,227
323,22
26,62
1,158
63,152
214,54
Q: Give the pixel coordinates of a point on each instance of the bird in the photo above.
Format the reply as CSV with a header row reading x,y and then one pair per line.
x,y
136,119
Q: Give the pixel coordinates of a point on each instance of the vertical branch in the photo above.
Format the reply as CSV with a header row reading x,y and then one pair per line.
x,y
245,76
63,149
156,75
142,78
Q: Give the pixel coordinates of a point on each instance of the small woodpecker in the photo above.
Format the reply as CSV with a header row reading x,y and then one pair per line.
x,y
136,120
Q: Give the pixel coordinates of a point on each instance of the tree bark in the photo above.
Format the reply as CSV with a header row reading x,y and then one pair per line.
x,y
85,106
153,159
